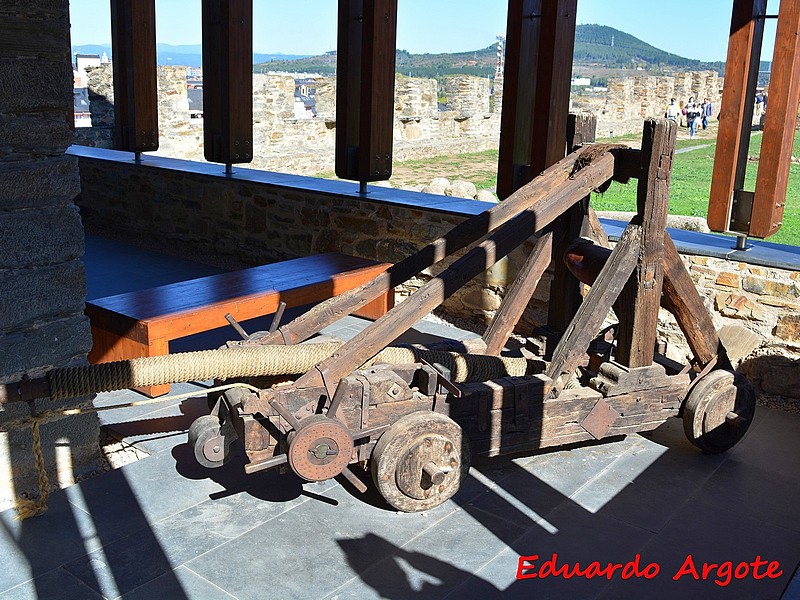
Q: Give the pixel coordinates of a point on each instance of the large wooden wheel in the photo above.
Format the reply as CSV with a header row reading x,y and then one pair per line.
x,y
420,461
718,411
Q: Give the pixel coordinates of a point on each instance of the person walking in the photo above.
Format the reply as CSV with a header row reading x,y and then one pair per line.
x,y
692,113
707,110
673,111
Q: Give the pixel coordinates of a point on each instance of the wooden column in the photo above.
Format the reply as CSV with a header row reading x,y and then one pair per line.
x,y
133,43
779,125
736,112
519,85
539,48
228,81
639,304
365,67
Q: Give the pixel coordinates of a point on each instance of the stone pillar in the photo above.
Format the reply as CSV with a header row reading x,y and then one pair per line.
x,y
100,84
468,96
497,95
42,281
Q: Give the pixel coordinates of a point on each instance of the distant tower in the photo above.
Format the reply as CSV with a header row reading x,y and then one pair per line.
x,y
501,58
612,40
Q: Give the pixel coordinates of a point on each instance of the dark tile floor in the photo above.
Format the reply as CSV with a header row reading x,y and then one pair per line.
x,y
163,527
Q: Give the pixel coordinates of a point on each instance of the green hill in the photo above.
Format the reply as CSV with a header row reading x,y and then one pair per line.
x,y
595,45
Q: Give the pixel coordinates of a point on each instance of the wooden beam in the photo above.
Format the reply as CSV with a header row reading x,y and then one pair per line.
x,y
584,327
682,300
518,296
780,123
640,303
547,197
519,85
133,43
228,81
736,111
365,66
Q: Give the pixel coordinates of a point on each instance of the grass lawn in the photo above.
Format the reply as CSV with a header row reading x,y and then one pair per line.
x,y
691,186
689,191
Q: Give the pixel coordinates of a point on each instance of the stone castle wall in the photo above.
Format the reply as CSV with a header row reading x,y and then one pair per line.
x,y
42,280
628,101
306,146
247,222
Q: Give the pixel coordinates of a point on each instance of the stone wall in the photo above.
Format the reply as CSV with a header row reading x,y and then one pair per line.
x,y
467,96
620,110
306,146
247,222
42,281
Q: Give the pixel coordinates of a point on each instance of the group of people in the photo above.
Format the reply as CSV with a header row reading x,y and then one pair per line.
x,y
696,115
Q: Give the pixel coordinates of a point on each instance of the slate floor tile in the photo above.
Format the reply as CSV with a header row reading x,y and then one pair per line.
x,y
713,534
57,583
749,490
37,546
773,445
181,584
432,564
313,549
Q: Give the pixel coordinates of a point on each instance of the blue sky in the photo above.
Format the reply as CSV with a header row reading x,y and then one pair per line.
x,y
691,28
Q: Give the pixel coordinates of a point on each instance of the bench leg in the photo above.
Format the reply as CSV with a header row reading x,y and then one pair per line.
x,y
108,347
378,307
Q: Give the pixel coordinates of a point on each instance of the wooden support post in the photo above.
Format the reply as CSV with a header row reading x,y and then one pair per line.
x,y
518,296
536,87
547,197
680,296
584,327
736,112
365,66
581,129
638,316
133,43
682,300
228,81
779,125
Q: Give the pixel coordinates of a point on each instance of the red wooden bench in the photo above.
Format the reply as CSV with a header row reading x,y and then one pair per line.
x,y
142,322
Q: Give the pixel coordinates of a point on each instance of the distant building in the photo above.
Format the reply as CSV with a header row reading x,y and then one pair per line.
x,y
80,107
195,103
82,62
305,107
581,82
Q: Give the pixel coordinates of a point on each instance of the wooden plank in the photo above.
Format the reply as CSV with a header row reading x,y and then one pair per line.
x,y
682,300
779,125
547,197
736,111
638,306
519,85
228,81
518,296
366,50
133,42
584,327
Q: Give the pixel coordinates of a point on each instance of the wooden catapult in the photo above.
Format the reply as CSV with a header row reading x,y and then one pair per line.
x,y
416,416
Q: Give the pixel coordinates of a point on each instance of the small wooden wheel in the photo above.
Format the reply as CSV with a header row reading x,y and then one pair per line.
x,y
210,441
718,411
420,461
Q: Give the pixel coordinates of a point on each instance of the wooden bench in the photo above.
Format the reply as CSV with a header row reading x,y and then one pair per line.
x,y
141,323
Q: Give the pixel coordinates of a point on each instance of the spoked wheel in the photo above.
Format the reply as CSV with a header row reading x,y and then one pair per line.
x,y
420,462
211,441
718,411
